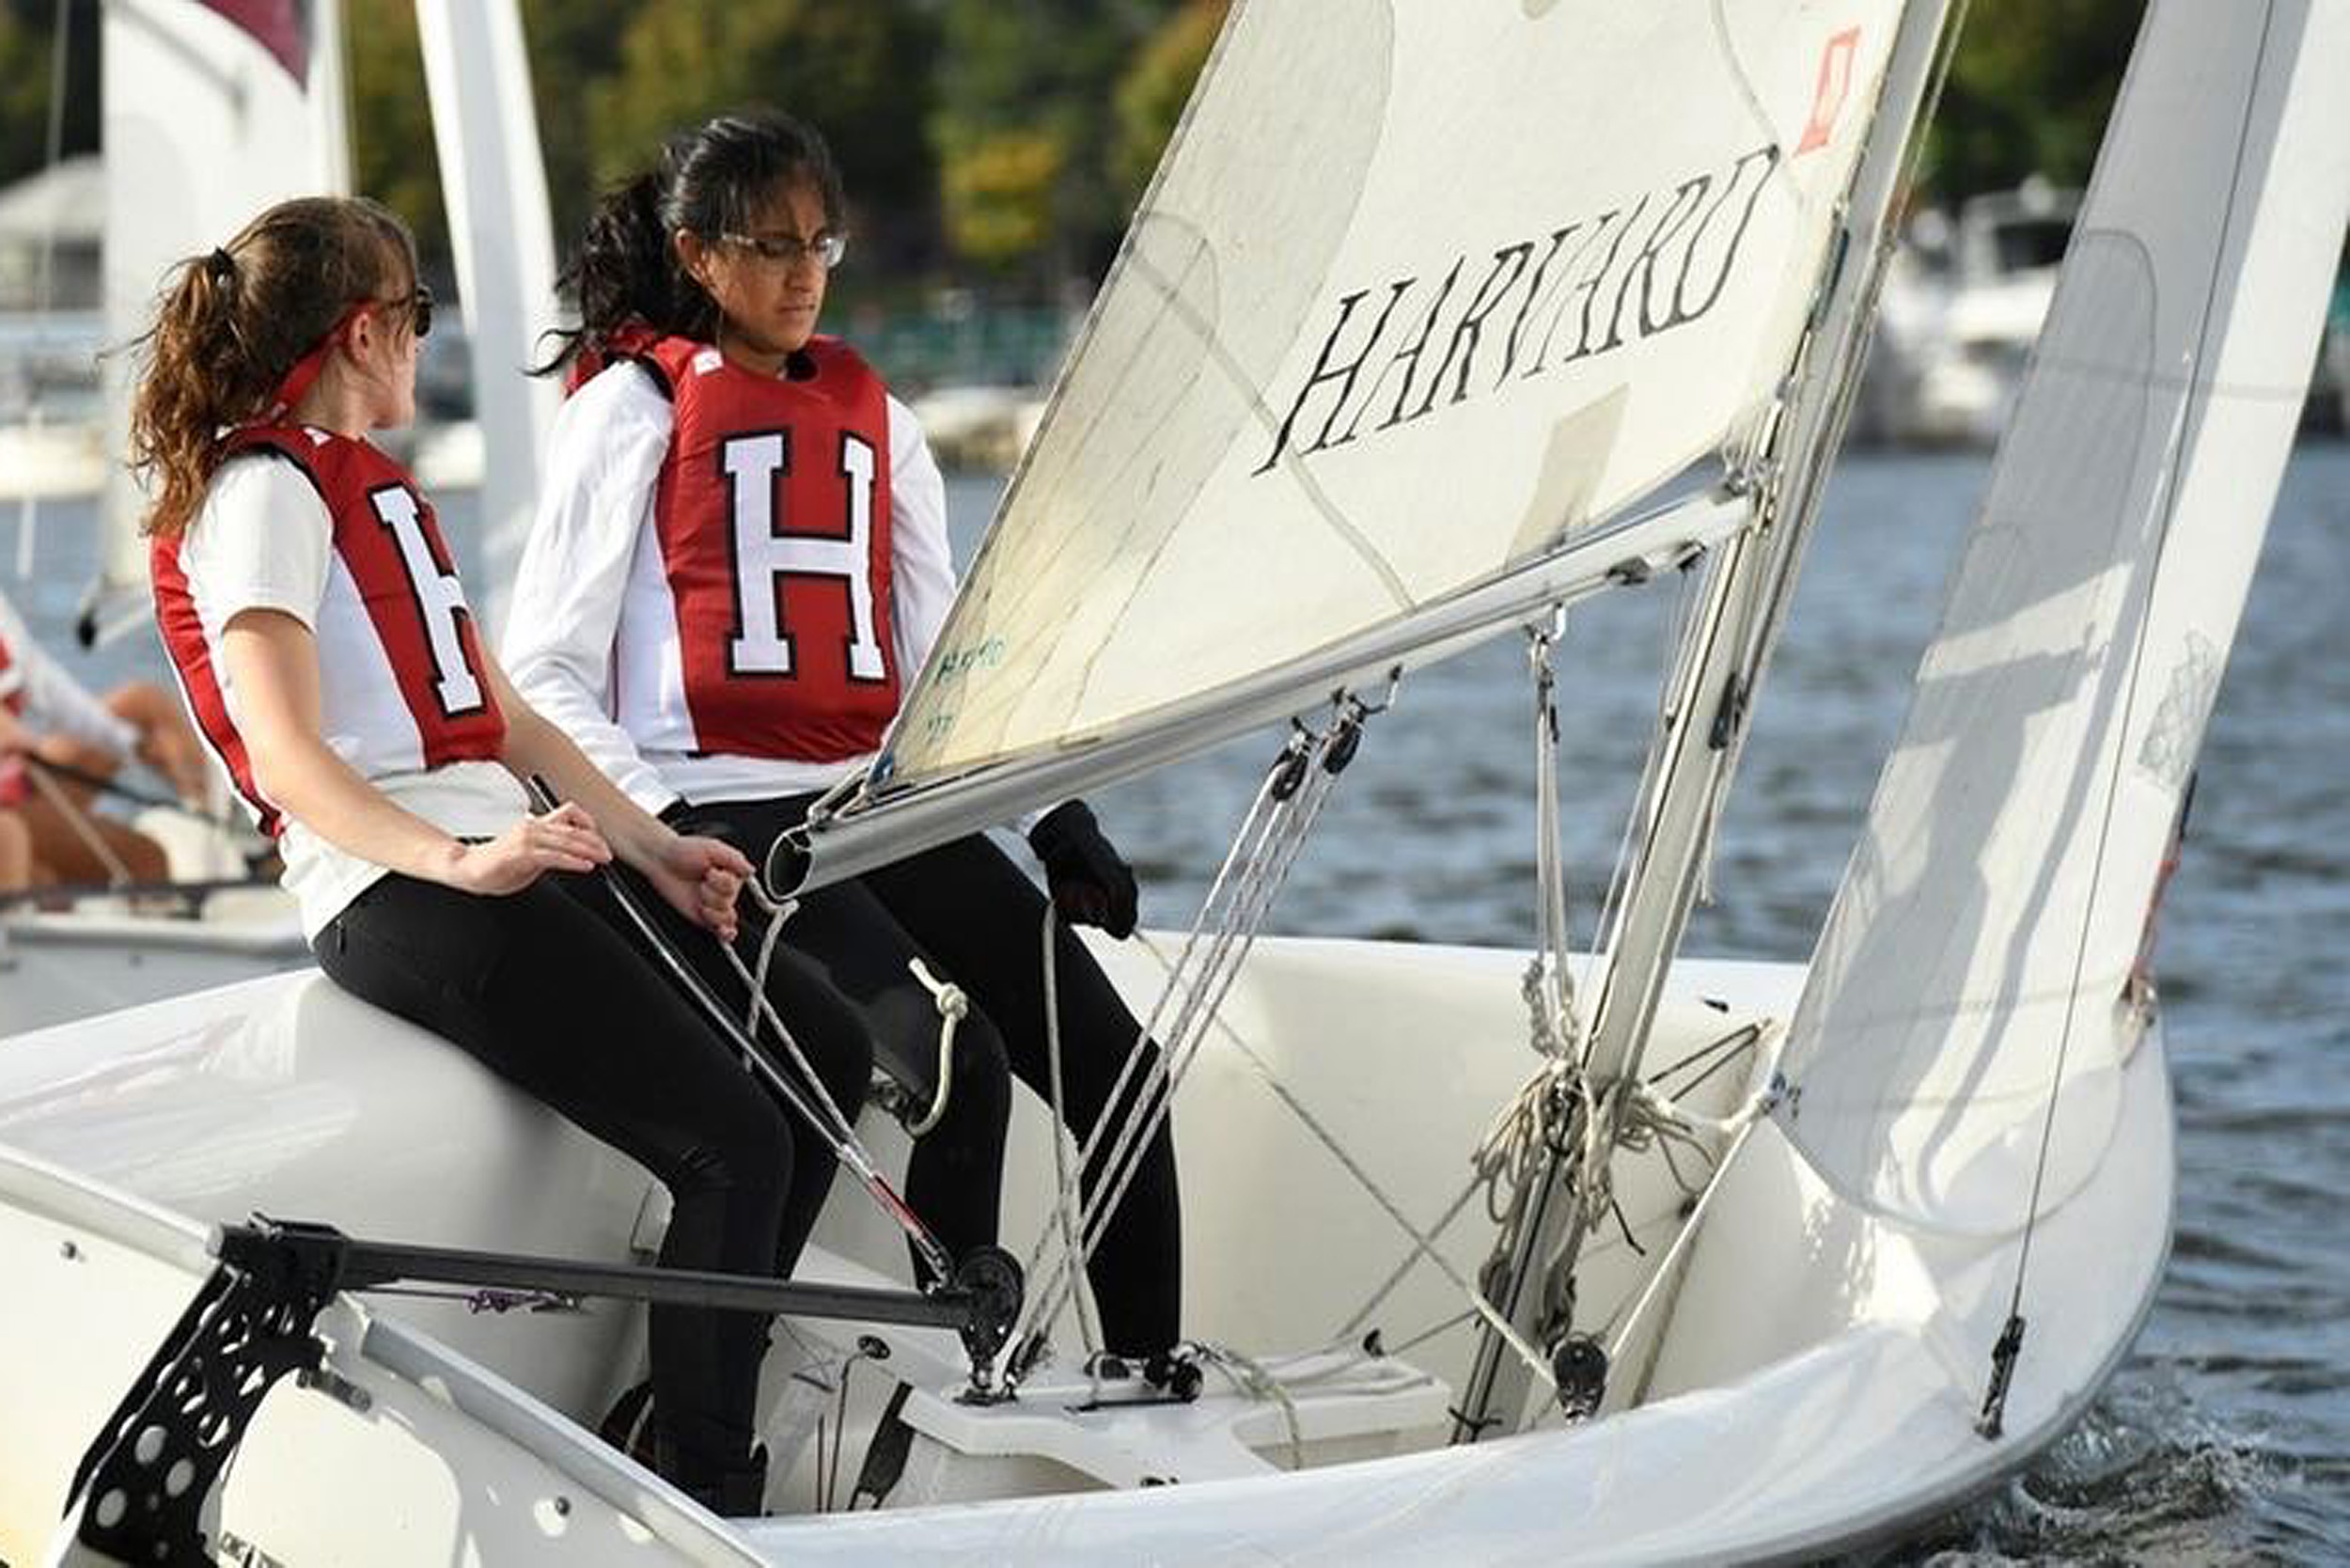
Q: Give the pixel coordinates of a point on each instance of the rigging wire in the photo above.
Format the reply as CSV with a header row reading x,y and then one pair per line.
x,y
1245,840
1990,1420
1287,803
1069,1202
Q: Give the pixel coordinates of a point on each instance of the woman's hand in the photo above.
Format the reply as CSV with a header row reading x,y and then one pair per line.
x,y
700,878
1091,881
565,839
168,745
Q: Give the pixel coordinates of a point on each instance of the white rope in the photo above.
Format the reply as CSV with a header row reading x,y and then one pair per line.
x,y
1550,984
1558,1109
1252,1378
755,983
954,1007
1745,1123
778,910
1259,884
840,1137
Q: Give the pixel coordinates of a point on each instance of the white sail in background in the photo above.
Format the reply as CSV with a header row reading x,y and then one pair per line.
x,y
210,112
1986,928
1543,256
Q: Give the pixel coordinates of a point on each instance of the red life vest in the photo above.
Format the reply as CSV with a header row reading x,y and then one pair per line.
x,y
398,589
771,515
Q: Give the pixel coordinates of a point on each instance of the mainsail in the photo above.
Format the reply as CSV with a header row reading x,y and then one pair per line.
x,y
1973,972
1419,294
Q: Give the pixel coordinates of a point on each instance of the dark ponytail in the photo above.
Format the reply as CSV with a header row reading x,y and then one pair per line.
x,y
231,324
625,275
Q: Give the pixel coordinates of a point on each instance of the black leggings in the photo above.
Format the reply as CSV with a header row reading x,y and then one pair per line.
x,y
975,918
829,1030
547,995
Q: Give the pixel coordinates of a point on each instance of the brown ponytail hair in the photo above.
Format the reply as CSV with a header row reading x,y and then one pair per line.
x,y
230,325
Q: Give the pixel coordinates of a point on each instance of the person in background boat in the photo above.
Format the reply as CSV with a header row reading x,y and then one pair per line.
x,y
325,642
58,745
739,560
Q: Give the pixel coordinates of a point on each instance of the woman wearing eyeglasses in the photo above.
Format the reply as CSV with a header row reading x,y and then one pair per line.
x,y
739,559
325,646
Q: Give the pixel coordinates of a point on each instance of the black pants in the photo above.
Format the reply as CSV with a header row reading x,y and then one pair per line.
x,y
975,918
550,998
828,1028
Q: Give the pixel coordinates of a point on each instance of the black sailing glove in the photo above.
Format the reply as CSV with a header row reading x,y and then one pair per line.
x,y
1090,880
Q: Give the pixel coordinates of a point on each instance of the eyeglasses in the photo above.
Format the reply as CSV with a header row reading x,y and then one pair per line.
x,y
789,250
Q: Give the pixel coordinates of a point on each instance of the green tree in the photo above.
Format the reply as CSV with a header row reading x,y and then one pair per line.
x,y
860,74
27,64
1024,128
392,154
574,45
2029,93
1156,86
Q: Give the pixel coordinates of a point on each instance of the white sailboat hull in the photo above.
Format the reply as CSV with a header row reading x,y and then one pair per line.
x,y
102,954
1818,1368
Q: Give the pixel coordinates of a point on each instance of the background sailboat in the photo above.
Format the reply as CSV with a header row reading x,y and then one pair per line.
x,y
213,111
1820,1339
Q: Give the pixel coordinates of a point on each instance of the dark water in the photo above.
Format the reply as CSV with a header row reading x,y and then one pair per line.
x,y
2226,1438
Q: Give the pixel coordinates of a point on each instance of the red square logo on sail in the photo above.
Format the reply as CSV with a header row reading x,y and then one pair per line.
x,y
1827,99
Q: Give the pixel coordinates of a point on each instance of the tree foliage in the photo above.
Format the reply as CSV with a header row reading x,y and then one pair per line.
x,y
1024,128
1013,134
611,79
27,67
2029,93
1156,87
392,155
860,74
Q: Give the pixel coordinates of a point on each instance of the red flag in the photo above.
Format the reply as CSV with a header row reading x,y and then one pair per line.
x,y
280,26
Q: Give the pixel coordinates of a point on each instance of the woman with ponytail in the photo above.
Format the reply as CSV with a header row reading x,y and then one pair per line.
x,y
739,557
324,644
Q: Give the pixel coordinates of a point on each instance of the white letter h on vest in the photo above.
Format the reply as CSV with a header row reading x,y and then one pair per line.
x,y
753,464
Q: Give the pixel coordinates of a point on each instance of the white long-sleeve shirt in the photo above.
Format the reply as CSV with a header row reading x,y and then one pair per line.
x,y
49,698
594,532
